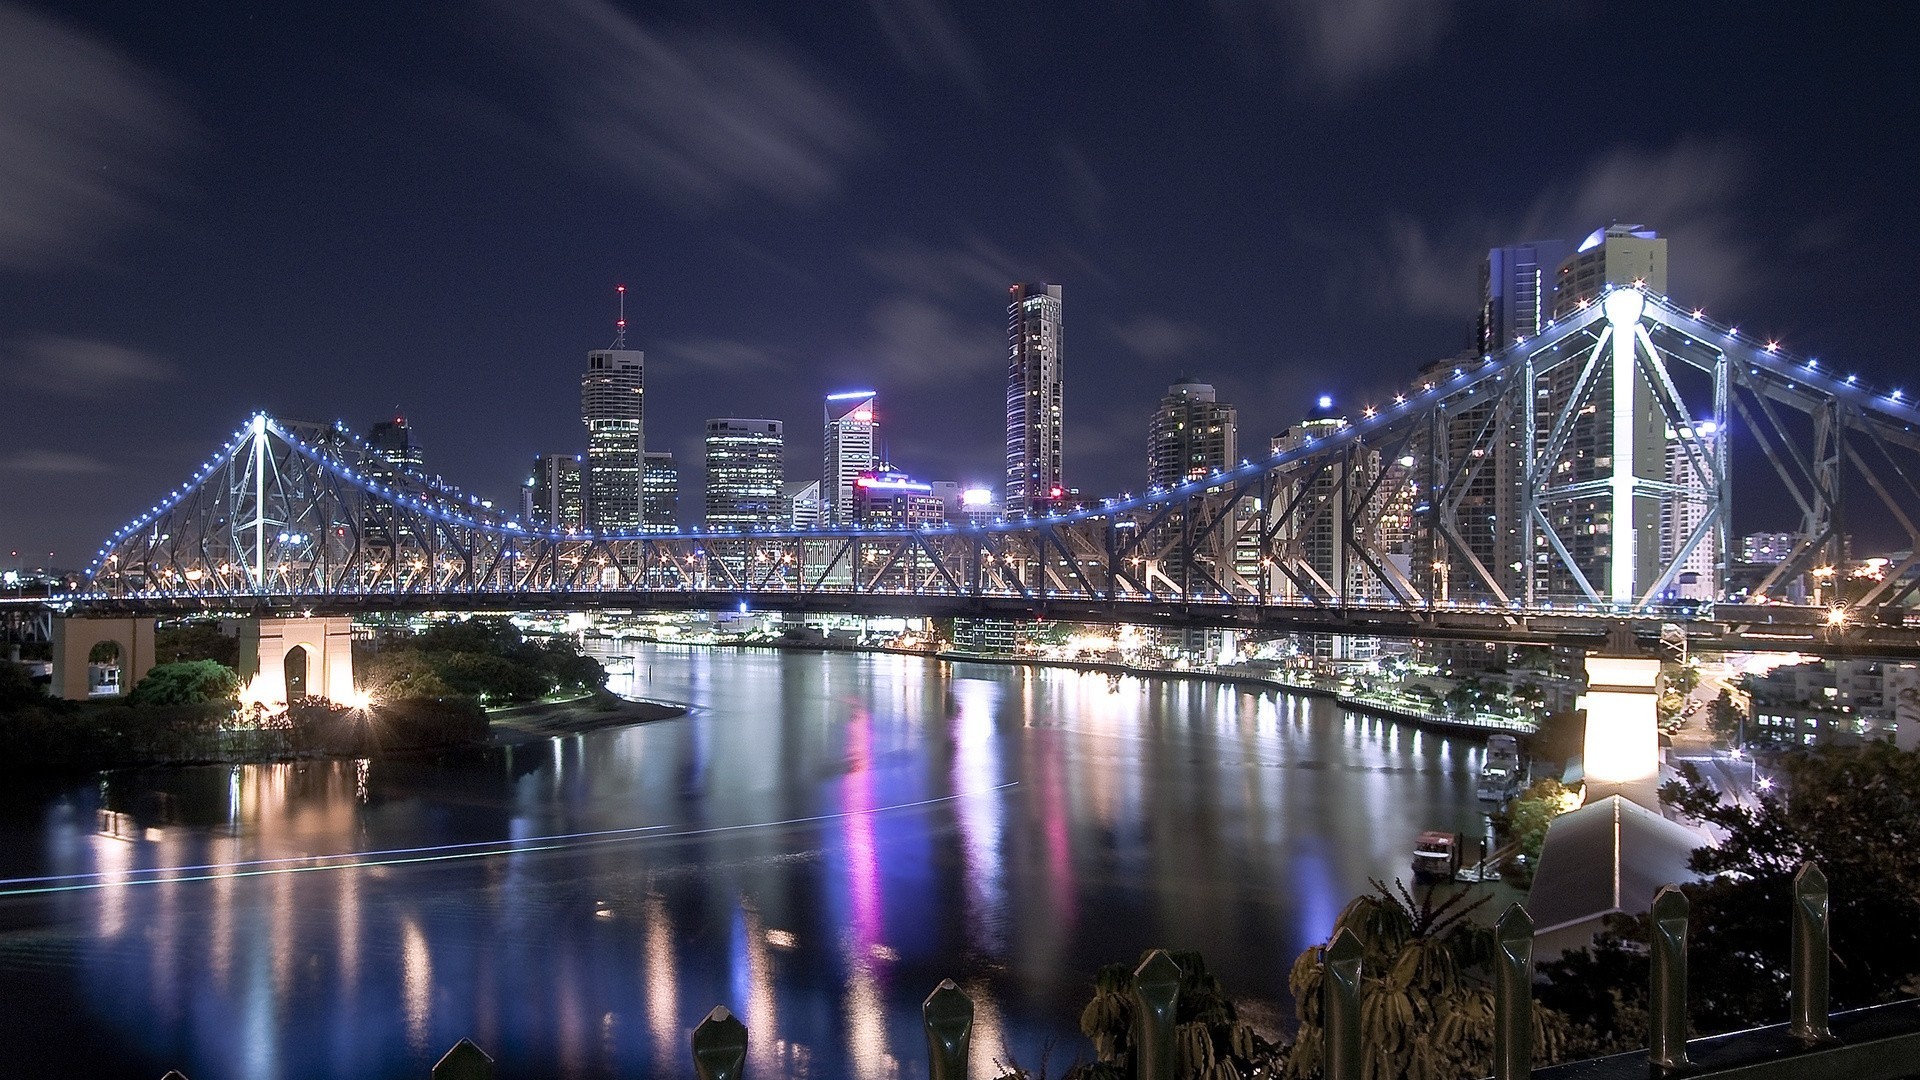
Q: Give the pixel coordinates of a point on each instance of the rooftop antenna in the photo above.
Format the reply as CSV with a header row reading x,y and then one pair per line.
x,y
620,326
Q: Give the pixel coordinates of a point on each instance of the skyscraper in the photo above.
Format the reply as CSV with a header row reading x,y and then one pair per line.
x,y
394,453
1616,548
850,425
1035,381
555,494
1191,435
1682,512
744,472
802,501
1517,287
612,405
660,492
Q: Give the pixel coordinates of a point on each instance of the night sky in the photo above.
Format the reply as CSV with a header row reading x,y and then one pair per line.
x,y
351,209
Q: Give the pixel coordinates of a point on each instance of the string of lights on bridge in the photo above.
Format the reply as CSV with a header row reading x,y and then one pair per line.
x,y
1769,354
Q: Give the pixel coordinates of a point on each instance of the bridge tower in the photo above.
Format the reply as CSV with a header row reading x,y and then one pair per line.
x,y
1622,753
285,660
73,641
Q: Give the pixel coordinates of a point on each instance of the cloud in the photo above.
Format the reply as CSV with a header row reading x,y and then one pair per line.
x,y
924,35
916,340
78,367
718,356
51,463
1686,192
967,272
1085,194
1157,338
1335,45
86,137
703,117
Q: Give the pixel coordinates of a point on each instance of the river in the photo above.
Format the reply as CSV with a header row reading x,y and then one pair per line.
x,y
819,841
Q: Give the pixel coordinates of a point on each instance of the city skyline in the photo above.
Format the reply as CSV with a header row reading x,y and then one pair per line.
x,y
334,214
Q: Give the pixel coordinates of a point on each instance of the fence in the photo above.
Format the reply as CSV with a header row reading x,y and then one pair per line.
x,y
1879,1043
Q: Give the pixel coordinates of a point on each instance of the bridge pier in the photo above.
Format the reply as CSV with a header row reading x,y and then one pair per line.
x,y
1622,754
73,640
285,660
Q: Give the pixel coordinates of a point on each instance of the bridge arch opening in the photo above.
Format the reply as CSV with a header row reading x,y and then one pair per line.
x,y
106,669
294,667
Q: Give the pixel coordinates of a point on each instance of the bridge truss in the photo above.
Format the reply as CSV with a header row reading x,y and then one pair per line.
x,y
1577,481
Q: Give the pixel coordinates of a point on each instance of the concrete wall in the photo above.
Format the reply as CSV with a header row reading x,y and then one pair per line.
x,y
74,638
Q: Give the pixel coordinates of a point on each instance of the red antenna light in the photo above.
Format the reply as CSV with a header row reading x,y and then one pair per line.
x,y
620,324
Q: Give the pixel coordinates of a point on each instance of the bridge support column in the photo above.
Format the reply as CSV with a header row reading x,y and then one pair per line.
x,y
284,660
1622,755
74,638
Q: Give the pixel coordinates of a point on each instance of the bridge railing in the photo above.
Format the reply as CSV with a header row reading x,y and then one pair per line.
x,y
1878,1043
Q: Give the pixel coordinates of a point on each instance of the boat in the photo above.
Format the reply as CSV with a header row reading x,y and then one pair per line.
x,y
1436,854
1500,776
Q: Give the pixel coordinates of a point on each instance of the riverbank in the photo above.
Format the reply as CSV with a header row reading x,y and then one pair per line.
x,y
521,724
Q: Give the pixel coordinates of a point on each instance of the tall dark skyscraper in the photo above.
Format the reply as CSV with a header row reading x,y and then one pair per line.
x,y
1517,291
554,498
745,472
1035,381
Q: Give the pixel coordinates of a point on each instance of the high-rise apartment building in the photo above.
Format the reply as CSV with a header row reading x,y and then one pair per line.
x,y
394,453
1682,512
1035,385
851,423
745,468
1615,255
1517,284
1311,539
1473,453
659,492
1616,548
1191,435
612,405
554,492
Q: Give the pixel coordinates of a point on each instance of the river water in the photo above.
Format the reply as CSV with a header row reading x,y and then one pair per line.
x,y
815,845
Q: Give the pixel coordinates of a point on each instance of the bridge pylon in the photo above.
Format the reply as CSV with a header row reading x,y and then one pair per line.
x,y
284,660
74,639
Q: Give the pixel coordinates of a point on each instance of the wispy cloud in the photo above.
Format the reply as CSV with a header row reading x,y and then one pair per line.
x,y
916,341
79,367
86,139
1158,338
1086,195
965,272
703,117
715,356
927,40
1335,45
1685,191
51,463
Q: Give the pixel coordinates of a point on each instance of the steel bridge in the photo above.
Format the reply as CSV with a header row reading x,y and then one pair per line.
x,y
1576,488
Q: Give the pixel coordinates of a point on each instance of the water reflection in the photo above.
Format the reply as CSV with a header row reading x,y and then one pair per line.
x,y
816,845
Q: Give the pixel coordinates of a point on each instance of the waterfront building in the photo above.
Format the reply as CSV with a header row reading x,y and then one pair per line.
x,y
612,406
1035,400
889,499
1310,542
554,497
851,424
659,492
1517,284
1192,434
744,472
1767,548
802,501
1474,535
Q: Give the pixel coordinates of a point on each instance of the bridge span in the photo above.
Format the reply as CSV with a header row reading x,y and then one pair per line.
x,y
1573,489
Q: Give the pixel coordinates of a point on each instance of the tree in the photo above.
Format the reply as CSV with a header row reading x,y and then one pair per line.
x,y
194,682
198,640
17,688
1855,812
1213,1043
1561,735
1725,720
1530,815
1426,995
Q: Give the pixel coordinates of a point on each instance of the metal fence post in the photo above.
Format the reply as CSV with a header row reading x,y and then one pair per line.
x,y
1669,988
1513,995
1156,989
1340,1009
464,1062
720,1046
1811,910
948,1016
